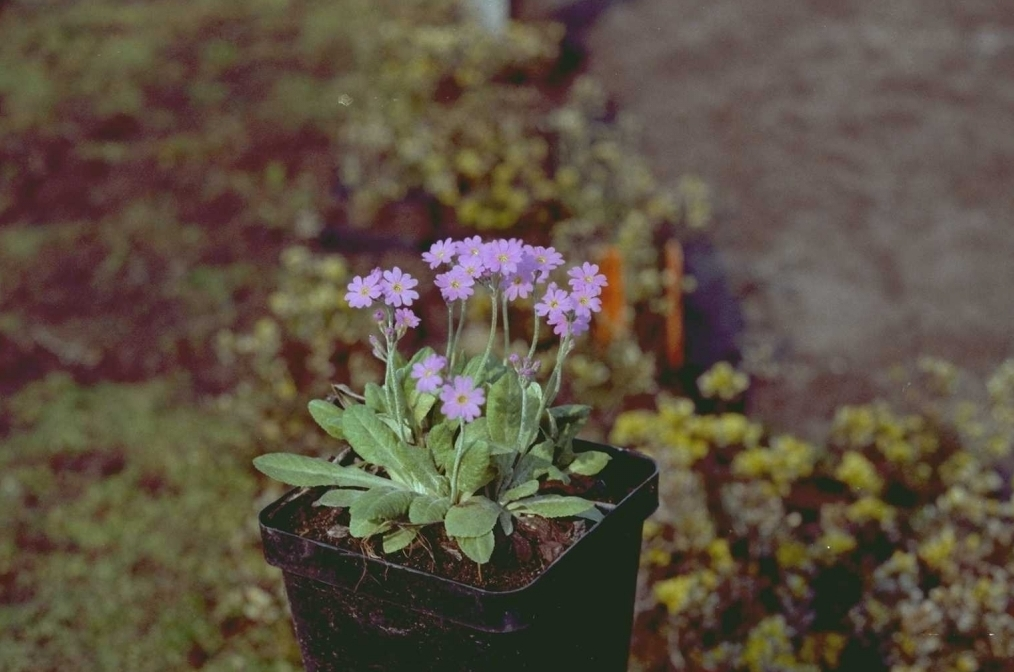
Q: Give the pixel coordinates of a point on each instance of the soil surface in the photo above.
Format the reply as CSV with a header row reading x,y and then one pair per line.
x,y
516,562
861,158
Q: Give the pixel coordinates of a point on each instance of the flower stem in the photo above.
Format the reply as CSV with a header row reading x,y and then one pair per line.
x,y
553,384
506,328
450,331
392,386
459,452
494,297
457,335
535,335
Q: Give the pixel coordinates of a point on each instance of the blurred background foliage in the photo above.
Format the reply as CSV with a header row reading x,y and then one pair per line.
x,y
185,189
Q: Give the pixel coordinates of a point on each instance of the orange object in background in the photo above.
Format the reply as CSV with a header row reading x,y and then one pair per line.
x,y
674,337
613,322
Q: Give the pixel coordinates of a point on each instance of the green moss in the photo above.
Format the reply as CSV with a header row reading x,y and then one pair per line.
x,y
134,539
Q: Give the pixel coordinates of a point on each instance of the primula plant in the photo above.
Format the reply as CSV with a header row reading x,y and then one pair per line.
x,y
453,439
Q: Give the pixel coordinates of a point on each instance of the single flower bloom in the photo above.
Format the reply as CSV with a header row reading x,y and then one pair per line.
x,y
405,318
553,301
546,259
587,276
363,291
471,266
462,399
568,323
470,248
455,285
397,288
518,285
502,256
427,373
579,324
585,302
441,252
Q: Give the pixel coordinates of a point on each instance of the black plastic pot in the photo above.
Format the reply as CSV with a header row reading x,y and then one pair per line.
x,y
354,613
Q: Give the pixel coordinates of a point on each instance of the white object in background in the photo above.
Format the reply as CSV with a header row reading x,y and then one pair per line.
x,y
493,15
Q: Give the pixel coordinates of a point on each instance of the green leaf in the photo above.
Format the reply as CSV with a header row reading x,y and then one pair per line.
x,y
312,471
340,497
569,421
479,549
361,527
369,437
551,506
375,398
493,370
328,416
398,539
475,470
503,410
440,441
500,449
589,463
377,443
507,522
412,395
382,504
592,514
529,467
472,518
421,354
526,489
420,404
571,413
553,473
426,509
473,369
479,429
543,450
530,429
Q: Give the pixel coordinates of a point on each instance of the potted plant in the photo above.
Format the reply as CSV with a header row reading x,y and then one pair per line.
x,y
465,527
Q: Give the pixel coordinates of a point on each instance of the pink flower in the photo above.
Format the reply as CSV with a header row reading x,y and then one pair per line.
x,y
461,399
584,302
397,288
455,285
405,318
363,291
587,276
555,300
568,323
441,252
502,256
471,266
517,286
546,260
470,248
427,373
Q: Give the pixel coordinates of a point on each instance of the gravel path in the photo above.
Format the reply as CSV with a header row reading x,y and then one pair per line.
x,y
862,160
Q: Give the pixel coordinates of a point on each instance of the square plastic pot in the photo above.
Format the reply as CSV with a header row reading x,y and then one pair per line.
x,y
354,613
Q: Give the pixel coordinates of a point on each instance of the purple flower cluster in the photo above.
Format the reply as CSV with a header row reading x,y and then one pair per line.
x,y
512,265
394,285
508,268
570,313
